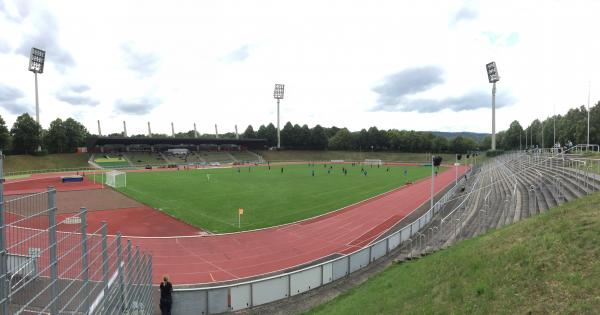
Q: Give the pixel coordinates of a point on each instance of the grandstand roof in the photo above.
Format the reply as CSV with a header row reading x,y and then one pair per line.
x,y
100,141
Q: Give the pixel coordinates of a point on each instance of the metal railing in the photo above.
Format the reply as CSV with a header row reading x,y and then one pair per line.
x,y
53,266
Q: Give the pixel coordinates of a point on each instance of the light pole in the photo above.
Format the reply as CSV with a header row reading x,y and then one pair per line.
x,y
588,116
542,135
493,77
278,95
432,182
554,129
455,169
36,65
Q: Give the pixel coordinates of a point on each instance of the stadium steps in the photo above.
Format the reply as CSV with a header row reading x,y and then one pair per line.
x,y
232,157
258,156
198,157
126,157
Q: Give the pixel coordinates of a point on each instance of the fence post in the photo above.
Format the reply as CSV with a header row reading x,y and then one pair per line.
x,y
104,259
52,247
120,268
3,267
128,280
135,271
151,298
84,259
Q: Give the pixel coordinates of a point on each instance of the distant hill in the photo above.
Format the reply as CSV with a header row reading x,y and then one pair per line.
x,y
451,135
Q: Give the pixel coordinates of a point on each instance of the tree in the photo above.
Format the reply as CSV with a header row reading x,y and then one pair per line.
x,y
76,134
288,138
269,132
330,132
26,134
462,145
304,137
249,133
4,135
318,138
342,140
513,136
440,144
55,140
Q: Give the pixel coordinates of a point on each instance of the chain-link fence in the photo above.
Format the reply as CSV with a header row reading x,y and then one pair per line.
x,y
59,267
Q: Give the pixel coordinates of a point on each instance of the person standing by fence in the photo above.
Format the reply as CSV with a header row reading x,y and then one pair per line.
x,y
166,300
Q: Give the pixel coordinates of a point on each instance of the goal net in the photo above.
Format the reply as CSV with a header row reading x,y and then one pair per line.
x,y
373,162
116,179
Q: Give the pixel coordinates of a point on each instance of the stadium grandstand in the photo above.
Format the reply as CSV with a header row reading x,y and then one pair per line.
x,y
115,152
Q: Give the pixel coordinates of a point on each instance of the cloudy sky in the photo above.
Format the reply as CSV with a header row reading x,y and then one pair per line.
x,y
394,64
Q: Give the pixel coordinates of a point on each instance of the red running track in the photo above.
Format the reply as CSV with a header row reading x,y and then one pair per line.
x,y
216,258
40,182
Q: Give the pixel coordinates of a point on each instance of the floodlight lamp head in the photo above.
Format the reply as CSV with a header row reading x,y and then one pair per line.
x,y
278,93
492,72
36,60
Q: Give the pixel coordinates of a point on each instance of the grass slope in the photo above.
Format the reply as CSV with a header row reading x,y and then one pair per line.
x,y
301,155
268,197
549,264
13,163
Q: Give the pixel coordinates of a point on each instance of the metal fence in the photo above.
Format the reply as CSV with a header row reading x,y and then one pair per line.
x,y
52,266
243,295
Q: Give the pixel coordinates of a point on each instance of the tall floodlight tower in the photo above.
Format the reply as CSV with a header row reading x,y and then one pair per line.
x,y
99,130
149,131
493,77
36,65
172,130
588,118
278,95
195,131
124,129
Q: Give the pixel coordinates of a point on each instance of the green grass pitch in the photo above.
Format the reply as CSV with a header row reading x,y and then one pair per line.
x,y
210,198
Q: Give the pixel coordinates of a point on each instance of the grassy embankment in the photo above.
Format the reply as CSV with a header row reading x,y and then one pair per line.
x,y
14,163
548,264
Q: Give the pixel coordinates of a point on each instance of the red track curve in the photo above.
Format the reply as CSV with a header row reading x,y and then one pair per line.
x,y
209,259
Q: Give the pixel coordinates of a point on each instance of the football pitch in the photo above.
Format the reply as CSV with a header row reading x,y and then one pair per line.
x,y
210,198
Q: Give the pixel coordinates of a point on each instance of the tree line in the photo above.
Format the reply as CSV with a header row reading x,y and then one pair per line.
x,y
372,139
26,136
65,136
557,129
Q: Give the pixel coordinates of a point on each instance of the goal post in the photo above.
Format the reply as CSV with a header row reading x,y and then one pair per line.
x,y
373,162
116,179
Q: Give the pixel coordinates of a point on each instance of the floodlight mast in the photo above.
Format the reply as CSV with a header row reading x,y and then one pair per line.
x,y
493,77
36,65
588,116
278,95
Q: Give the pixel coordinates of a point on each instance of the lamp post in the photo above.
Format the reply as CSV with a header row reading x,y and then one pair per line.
x,y
278,95
36,65
493,77
432,182
588,116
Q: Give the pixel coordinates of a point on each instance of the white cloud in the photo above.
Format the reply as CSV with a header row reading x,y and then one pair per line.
x,y
165,61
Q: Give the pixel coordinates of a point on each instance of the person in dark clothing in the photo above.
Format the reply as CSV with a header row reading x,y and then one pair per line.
x,y
166,300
